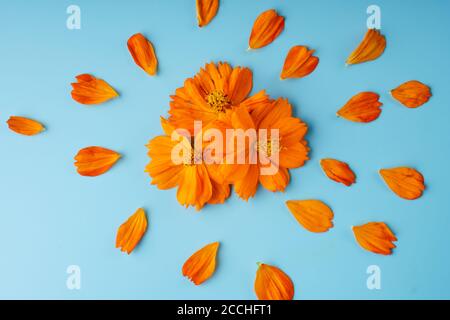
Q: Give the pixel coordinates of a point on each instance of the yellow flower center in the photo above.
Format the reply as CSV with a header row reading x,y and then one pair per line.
x,y
218,101
192,158
268,147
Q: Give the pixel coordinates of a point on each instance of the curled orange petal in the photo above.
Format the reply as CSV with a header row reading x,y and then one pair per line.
x,y
131,231
299,63
25,126
206,11
338,171
405,182
91,90
412,94
314,215
266,29
272,283
375,237
201,265
143,53
371,47
94,161
364,107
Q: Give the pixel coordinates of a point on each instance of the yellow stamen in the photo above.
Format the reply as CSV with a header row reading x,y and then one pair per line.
x,y
218,101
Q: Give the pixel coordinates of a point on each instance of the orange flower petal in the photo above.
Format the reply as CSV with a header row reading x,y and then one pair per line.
x,y
90,90
375,237
94,161
25,126
364,107
266,29
314,215
405,182
338,171
206,11
412,94
202,264
272,283
299,63
131,231
371,47
143,53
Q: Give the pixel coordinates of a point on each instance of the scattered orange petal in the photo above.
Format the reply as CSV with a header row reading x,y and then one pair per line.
x,y
143,53
299,63
338,171
25,126
91,90
405,182
266,29
206,11
272,283
364,107
371,47
131,231
314,215
202,264
94,161
375,237
412,94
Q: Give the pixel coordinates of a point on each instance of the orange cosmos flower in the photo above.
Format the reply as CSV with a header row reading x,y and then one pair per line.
x,y
210,93
189,172
91,90
25,126
272,283
202,264
283,152
131,231
375,237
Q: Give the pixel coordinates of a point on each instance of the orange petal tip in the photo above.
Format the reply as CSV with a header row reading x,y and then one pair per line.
x,y
363,107
202,264
375,237
370,48
338,171
266,29
91,90
206,11
131,231
405,182
313,215
24,126
271,283
143,53
94,161
412,94
299,63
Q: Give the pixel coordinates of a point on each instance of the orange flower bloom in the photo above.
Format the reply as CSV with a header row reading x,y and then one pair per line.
x,y
94,161
288,150
266,29
202,264
143,53
272,283
206,11
371,47
25,126
207,96
364,107
299,63
191,174
405,182
131,231
338,171
90,90
314,215
412,94
375,237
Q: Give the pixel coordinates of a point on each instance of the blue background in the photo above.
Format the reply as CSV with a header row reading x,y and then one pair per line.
x,y
50,217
